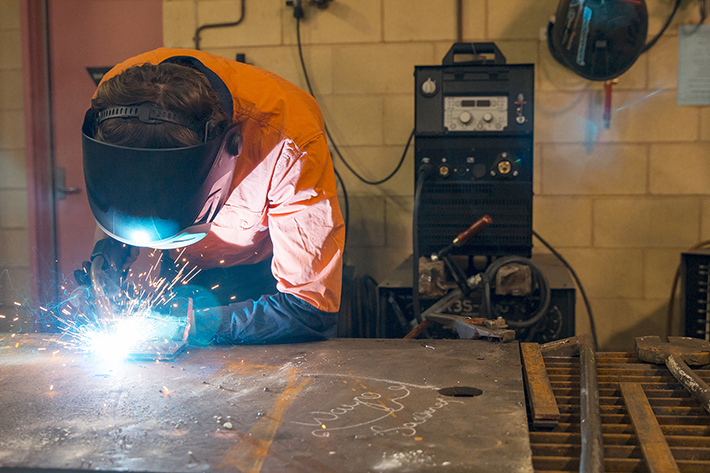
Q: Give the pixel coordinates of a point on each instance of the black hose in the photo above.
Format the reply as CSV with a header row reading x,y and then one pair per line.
x,y
538,277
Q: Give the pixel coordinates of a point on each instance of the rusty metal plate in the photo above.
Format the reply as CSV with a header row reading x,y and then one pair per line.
x,y
336,406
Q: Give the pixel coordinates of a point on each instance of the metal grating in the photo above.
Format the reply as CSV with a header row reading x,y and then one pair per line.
x,y
683,423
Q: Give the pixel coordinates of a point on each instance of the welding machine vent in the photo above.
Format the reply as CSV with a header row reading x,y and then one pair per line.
x,y
474,136
695,294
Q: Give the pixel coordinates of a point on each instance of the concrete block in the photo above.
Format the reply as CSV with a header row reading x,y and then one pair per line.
x,y
608,272
179,23
13,170
10,14
660,10
563,221
344,21
261,25
11,93
11,50
654,117
565,117
14,249
620,320
375,163
537,169
419,20
672,222
375,262
366,222
682,168
354,120
705,123
399,119
519,19
520,51
284,62
15,286
398,215
13,209
659,268
635,78
663,63
705,220
605,169
473,19
378,68
12,129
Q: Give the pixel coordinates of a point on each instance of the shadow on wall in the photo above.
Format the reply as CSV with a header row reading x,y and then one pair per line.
x,y
625,340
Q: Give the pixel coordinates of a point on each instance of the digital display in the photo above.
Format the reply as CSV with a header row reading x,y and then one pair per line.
x,y
476,103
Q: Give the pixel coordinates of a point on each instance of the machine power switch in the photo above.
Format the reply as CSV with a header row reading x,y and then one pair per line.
x,y
429,87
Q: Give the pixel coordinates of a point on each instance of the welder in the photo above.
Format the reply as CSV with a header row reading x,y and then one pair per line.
x,y
227,166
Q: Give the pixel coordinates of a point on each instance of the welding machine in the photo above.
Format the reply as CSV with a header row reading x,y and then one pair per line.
x,y
474,151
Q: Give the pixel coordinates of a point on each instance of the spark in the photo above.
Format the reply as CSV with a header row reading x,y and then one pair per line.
x,y
17,304
136,316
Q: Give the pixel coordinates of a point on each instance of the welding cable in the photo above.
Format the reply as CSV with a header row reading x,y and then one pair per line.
x,y
327,131
592,325
538,277
660,33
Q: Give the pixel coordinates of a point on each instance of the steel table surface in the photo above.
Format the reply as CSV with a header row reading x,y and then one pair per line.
x,y
335,406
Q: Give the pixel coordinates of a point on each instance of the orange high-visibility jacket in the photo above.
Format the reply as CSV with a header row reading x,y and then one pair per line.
x,y
283,199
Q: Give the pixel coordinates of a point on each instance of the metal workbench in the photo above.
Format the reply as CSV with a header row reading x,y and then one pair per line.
x,y
336,406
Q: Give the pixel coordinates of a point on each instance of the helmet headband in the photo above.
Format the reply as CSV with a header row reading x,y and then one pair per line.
x,y
158,198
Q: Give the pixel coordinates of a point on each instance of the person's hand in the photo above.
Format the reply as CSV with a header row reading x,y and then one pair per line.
x,y
116,260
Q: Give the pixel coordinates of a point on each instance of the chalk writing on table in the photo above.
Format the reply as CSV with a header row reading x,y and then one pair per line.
x,y
370,409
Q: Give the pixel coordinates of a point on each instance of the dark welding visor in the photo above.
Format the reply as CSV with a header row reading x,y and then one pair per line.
x,y
157,198
597,39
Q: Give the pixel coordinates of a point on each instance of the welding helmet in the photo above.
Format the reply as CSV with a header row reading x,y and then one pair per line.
x,y
598,39
157,198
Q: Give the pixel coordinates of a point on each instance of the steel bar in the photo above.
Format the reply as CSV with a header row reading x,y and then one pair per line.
x,y
690,380
592,456
656,452
543,405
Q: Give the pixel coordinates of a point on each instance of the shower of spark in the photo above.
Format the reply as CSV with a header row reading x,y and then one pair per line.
x,y
134,319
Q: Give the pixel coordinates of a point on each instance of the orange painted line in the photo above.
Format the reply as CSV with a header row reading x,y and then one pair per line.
x,y
249,453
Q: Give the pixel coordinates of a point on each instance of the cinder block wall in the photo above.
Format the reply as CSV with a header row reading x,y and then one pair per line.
x,y
620,204
14,251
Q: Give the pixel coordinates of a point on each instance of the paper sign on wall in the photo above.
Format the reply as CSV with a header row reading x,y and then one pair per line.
x,y
694,65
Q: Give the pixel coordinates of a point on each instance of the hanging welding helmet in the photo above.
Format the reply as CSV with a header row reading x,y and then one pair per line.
x,y
598,39
157,198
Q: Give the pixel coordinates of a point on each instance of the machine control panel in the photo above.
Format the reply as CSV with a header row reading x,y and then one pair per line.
x,y
488,113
